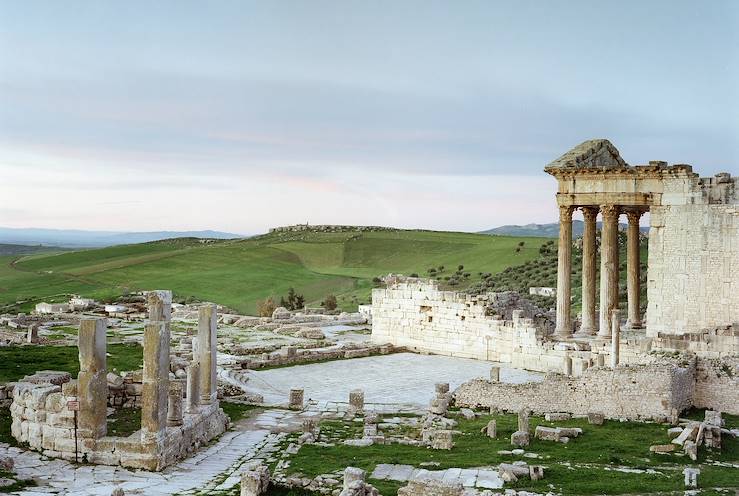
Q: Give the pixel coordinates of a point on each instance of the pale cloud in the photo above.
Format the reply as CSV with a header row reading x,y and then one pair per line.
x,y
240,116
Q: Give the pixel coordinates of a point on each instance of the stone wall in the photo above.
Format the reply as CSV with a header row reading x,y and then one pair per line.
x,y
655,391
500,327
717,385
694,256
41,418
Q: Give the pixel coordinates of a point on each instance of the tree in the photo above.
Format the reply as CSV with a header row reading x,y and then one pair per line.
x,y
294,300
520,243
266,307
460,268
329,303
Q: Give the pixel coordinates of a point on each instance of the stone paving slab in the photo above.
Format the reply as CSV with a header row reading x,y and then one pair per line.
x,y
483,478
400,378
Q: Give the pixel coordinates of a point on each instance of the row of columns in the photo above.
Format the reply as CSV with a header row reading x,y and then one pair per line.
x,y
609,269
161,400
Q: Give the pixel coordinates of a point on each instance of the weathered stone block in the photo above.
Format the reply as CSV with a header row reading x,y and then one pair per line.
x,y
520,438
254,481
296,399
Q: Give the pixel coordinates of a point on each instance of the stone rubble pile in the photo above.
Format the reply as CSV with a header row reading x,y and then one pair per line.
x,y
693,434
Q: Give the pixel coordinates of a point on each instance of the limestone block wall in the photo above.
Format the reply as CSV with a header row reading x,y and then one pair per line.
x,y
654,391
717,384
416,315
694,256
41,418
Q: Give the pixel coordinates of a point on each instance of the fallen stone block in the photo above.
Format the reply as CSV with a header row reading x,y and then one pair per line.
x,y
688,434
691,477
557,417
691,449
490,429
442,440
596,418
673,432
662,448
546,433
254,481
431,488
520,438
536,472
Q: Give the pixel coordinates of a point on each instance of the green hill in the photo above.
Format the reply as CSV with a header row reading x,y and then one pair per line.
x,y
237,273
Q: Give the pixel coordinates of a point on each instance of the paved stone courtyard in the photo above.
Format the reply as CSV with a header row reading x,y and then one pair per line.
x,y
210,471
401,379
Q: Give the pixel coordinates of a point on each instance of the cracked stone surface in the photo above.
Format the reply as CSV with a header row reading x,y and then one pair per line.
x,y
481,478
400,378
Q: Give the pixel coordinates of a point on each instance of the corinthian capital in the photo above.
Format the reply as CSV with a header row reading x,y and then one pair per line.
x,y
634,215
610,211
589,213
565,213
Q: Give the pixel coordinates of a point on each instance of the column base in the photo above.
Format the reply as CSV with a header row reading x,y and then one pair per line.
x,y
585,333
635,325
563,333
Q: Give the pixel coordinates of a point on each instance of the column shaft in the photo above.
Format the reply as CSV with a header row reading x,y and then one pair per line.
x,y
155,391
608,267
633,275
92,378
207,352
588,324
564,268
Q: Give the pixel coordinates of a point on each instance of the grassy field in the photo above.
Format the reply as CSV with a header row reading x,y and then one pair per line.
x,y
19,361
610,459
237,273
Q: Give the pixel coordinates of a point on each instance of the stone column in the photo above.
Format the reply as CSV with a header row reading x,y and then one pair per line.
x,y
615,337
92,388
588,325
207,353
154,397
564,268
155,378
633,273
174,402
608,267
193,387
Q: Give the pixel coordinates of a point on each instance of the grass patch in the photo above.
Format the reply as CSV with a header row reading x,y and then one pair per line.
x,y
124,422
238,411
598,451
19,361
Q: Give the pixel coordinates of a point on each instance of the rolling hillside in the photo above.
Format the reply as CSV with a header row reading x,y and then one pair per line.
x,y
237,273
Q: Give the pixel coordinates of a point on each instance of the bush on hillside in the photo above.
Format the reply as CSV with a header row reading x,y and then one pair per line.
x,y
294,301
329,303
266,307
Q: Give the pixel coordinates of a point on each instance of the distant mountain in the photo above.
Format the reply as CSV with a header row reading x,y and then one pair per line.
x,y
8,249
72,238
545,230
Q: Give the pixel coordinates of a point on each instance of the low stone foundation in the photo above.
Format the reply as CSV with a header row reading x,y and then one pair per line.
x,y
657,391
42,418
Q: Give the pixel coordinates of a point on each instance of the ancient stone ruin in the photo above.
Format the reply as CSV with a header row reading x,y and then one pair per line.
x,y
66,418
605,361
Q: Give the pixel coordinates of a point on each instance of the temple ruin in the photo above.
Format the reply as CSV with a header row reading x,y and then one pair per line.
x,y
692,290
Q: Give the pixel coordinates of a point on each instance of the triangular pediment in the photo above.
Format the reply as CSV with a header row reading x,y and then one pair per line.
x,y
595,153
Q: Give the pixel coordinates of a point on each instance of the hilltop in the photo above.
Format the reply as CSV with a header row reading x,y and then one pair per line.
x,y
239,272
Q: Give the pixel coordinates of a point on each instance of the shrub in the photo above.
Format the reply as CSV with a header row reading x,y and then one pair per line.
x,y
413,274
329,303
266,307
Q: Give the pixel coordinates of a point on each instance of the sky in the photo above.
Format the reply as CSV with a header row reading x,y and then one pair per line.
x,y
239,116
